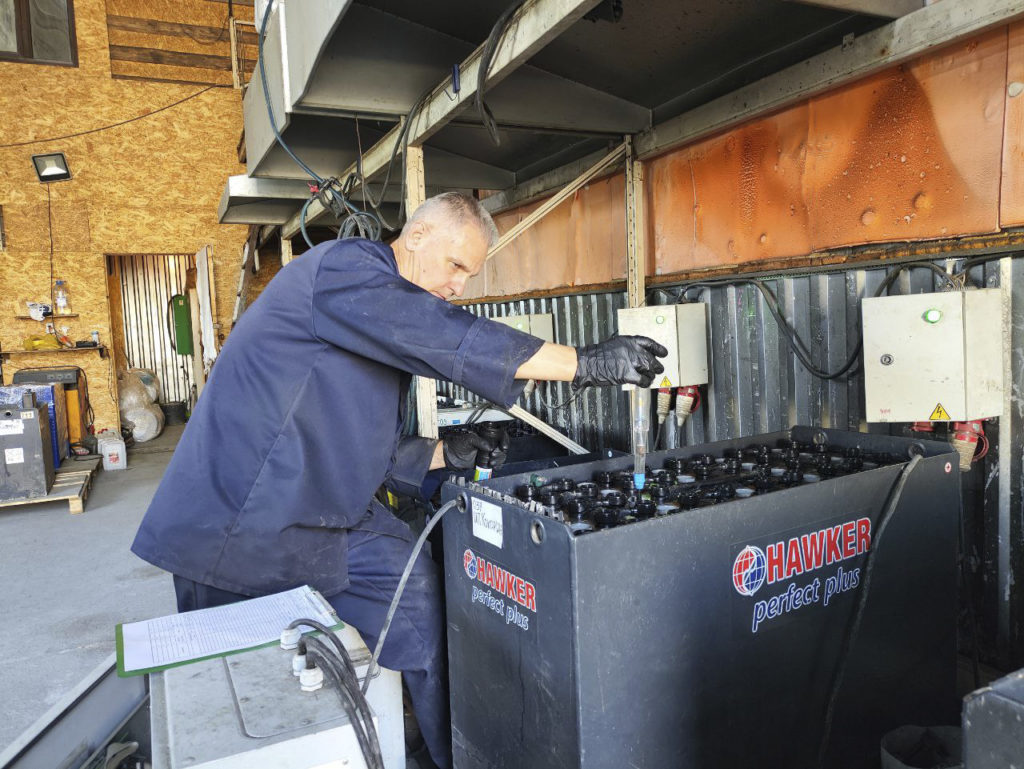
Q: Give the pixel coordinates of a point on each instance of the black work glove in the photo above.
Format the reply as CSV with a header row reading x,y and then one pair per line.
x,y
462,448
619,360
499,451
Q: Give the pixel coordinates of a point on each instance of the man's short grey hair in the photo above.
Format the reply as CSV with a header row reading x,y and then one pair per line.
x,y
456,209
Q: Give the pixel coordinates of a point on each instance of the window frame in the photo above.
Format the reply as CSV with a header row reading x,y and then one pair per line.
x,y
23,32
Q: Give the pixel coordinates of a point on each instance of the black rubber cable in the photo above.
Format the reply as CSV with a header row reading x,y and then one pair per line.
x,y
401,588
487,56
965,580
858,614
789,334
366,734
347,671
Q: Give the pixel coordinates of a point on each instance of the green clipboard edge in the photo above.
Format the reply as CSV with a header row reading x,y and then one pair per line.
x,y
122,673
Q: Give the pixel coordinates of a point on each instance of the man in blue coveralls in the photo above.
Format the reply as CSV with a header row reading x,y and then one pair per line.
x,y
272,485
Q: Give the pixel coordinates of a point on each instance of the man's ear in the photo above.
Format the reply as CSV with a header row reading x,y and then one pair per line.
x,y
415,235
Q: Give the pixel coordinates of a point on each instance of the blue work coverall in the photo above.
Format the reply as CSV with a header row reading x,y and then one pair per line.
x,y
272,484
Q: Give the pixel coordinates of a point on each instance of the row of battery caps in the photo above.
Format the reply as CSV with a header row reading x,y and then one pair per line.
x,y
611,499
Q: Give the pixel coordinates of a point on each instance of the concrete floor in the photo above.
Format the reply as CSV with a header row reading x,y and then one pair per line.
x,y
68,579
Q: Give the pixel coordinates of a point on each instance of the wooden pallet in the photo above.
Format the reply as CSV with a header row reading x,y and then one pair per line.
x,y
73,482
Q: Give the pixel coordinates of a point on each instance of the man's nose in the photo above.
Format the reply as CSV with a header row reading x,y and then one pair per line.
x,y
457,286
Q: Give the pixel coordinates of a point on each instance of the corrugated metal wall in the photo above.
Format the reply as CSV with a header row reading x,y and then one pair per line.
x,y
148,281
597,418
757,385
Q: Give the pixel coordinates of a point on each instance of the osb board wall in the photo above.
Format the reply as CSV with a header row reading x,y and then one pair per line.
x,y
270,264
920,151
177,40
150,186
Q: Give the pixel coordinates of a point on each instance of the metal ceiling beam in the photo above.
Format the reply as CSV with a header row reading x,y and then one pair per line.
x,y
912,35
534,25
889,9
539,186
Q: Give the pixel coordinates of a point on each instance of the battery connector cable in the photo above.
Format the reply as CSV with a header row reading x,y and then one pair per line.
x,y
335,664
316,660
325,657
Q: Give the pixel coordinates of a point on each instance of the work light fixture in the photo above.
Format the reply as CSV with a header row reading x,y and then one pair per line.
x,y
52,167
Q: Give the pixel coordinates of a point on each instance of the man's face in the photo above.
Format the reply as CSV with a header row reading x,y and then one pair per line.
x,y
443,257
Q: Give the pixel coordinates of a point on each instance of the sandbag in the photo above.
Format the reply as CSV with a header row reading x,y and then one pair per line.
x,y
131,392
147,422
150,381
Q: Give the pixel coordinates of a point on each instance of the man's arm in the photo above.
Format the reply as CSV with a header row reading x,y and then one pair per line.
x,y
551,363
615,361
437,462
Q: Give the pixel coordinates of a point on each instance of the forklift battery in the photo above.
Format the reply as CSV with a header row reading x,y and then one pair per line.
x,y
27,469
702,622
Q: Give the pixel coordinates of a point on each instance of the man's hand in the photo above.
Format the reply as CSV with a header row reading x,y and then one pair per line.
x,y
461,450
619,360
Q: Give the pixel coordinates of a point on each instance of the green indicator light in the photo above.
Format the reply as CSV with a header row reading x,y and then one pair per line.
x,y
659,319
932,316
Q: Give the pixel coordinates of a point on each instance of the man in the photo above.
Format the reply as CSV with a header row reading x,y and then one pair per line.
x,y
272,485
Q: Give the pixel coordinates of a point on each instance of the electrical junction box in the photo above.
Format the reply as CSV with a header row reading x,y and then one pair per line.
x,y
539,324
683,330
181,324
933,357
246,710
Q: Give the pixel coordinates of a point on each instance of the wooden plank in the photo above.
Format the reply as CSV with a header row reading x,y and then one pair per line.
x,y
200,33
176,81
174,58
415,194
71,484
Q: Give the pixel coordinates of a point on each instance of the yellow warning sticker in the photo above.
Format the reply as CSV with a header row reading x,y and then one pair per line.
x,y
665,382
940,414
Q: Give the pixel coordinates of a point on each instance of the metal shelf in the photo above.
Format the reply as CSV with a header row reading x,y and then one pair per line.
x,y
102,350
51,317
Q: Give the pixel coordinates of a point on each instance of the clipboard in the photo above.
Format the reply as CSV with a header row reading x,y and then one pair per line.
x,y
150,646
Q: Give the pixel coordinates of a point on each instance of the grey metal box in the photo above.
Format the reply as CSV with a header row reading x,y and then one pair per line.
x,y
26,452
538,324
933,356
993,723
245,711
683,330
634,647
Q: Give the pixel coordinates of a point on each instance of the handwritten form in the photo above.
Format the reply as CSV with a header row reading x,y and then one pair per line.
x,y
167,641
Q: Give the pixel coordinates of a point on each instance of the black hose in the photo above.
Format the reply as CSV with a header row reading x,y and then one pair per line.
x,y
366,734
487,56
401,588
858,614
793,339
